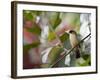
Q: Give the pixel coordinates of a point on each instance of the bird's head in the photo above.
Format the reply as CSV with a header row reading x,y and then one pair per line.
x,y
70,32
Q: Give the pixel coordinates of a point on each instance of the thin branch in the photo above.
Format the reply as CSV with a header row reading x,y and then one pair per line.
x,y
68,52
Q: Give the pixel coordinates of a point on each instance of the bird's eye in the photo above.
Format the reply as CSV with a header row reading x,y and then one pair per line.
x,y
71,31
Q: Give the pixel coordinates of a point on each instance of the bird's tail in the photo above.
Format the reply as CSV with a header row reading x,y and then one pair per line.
x,y
77,53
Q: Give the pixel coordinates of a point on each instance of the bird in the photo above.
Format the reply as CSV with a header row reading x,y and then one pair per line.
x,y
73,38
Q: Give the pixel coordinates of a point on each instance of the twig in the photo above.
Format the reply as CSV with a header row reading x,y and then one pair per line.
x,y
68,52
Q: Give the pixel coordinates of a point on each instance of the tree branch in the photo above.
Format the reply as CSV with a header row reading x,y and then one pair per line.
x,y
68,52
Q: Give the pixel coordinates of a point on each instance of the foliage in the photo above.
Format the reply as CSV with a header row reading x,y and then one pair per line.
x,y
35,22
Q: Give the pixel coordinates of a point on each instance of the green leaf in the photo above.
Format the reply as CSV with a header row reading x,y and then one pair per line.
x,y
64,37
28,16
54,54
44,65
54,18
38,13
86,56
51,36
29,46
31,15
35,29
84,62
57,21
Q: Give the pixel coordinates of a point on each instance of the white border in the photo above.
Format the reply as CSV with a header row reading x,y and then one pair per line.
x,y
30,72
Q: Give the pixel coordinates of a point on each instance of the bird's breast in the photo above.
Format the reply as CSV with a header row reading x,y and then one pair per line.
x,y
73,40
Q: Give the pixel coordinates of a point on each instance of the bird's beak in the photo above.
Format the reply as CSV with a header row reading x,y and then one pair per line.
x,y
67,31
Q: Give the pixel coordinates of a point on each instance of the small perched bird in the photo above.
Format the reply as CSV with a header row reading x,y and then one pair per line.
x,y
74,41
